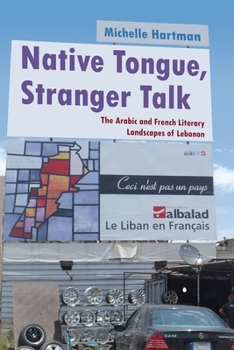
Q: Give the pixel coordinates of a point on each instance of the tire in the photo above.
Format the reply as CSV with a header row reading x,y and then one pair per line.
x,y
169,297
32,335
25,347
53,345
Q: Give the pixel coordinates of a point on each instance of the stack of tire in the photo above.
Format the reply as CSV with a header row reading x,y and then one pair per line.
x,y
33,337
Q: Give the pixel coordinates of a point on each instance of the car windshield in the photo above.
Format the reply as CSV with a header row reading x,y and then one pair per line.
x,y
184,318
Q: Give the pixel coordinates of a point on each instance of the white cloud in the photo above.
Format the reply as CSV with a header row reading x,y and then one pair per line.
x,y
224,178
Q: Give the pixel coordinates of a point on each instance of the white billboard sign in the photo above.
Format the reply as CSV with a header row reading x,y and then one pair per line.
x,y
153,33
174,201
108,191
109,92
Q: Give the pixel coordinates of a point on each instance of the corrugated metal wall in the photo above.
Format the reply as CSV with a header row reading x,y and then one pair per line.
x,y
107,275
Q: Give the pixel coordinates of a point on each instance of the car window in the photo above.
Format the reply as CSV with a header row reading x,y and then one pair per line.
x,y
188,318
134,320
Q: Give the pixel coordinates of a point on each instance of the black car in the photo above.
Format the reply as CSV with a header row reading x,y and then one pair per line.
x,y
173,327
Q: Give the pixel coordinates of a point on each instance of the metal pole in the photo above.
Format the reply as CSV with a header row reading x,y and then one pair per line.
x,y
198,286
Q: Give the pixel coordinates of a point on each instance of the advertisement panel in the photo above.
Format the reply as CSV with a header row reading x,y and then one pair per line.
x,y
109,92
92,191
152,33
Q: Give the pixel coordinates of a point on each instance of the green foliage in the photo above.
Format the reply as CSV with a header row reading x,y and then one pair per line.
x,y
7,340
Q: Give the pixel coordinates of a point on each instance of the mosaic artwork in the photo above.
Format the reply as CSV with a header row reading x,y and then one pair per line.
x,y
52,191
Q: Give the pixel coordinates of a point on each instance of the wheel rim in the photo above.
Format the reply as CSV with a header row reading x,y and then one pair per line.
x,y
115,297
71,296
54,347
74,336
93,295
34,335
137,297
102,336
102,347
72,318
87,318
116,317
87,336
170,297
103,317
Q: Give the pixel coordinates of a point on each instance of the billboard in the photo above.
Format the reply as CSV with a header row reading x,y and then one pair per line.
x,y
152,33
109,92
104,191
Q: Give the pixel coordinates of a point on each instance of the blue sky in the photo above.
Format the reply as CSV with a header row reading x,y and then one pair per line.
x,y
74,21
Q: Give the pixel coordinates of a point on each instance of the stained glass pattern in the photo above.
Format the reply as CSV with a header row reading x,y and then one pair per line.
x,y
52,191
